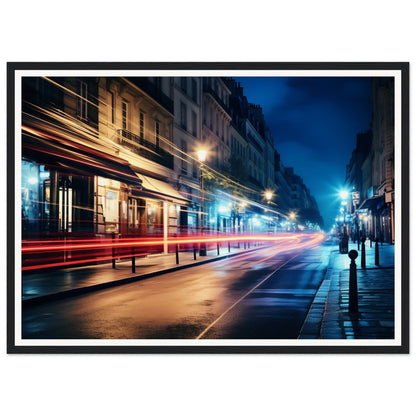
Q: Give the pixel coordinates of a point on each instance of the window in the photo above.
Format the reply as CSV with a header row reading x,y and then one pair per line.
x,y
194,124
158,82
111,206
82,104
157,134
184,84
141,127
184,149
183,116
112,108
194,90
124,117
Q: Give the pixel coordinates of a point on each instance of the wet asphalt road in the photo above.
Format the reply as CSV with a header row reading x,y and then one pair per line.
x,y
261,295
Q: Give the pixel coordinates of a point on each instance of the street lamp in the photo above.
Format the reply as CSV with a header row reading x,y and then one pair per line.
x,y
202,155
344,194
268,195
292,216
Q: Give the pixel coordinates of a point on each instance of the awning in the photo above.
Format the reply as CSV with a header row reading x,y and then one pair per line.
x,y
72,157
152,187
372,203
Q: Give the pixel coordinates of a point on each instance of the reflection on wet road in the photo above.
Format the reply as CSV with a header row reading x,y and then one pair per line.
x,y
264,294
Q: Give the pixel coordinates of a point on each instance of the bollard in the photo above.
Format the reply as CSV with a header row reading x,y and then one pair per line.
x,y
377,255
358,244
353,295
245,245
133,261
218,248
177,254
363,252
371,242
203,245
229,246
113,250
194,252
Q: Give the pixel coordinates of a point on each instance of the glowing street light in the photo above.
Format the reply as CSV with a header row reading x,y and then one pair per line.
x,y
268,195
202,155
343,194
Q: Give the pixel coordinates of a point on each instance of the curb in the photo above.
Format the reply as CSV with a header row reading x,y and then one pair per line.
x,y
312,325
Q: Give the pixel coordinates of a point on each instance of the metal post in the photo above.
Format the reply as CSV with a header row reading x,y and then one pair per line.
x,y
177,254
113,250
202,246
218,248
194,251
353,294
229,246
363,252
133,261
377,256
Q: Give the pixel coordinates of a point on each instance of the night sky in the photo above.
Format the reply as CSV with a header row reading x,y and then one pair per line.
x,y
314,122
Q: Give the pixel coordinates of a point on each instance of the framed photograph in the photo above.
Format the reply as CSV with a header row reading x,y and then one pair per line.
x,y
208,207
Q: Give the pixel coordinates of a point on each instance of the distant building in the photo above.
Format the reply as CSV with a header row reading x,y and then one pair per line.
x,y
370,173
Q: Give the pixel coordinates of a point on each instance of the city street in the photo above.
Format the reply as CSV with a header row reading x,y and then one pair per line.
x,y
262,294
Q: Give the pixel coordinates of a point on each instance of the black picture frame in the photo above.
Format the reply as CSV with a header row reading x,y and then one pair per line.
x,y
234,67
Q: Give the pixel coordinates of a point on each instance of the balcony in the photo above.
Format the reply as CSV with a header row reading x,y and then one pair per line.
x,y
153,91
208,90
144,148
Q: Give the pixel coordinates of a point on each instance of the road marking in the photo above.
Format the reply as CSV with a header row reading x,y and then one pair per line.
x,y
243,297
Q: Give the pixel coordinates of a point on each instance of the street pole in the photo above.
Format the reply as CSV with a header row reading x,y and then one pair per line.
x,y
377,255
363,263
202,246
353,293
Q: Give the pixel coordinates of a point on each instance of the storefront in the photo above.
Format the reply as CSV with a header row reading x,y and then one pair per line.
x,y
55,201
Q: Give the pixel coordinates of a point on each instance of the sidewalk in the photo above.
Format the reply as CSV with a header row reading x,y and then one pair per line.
x,y
55,284
329,317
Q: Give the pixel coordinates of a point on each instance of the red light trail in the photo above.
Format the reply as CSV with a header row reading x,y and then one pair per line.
x,y
42,254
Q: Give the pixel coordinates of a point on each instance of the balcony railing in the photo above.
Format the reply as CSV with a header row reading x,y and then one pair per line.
x,y
207,89
154,91
145,148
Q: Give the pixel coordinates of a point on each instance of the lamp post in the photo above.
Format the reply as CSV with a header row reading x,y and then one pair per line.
x,y
268,195
344,196
202,155
292,216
